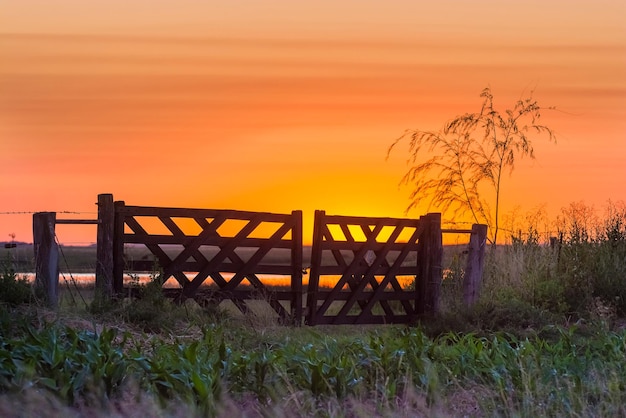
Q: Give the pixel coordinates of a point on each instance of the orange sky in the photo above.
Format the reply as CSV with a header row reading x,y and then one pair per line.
x,y
277,105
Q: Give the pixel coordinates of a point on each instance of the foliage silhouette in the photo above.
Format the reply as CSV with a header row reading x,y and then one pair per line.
x,y
453,167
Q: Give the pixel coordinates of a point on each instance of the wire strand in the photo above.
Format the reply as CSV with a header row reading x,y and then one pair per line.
x,y
30,212
73,280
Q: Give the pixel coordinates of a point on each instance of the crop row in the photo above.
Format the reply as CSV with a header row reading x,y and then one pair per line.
x,y
566,374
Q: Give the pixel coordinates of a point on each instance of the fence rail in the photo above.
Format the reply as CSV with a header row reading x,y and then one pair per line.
x,y
215,255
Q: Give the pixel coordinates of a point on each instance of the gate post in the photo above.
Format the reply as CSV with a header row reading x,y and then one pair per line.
x,y
296,265
430,255
118,248
104,263
46,257
475,263
435,255
316,261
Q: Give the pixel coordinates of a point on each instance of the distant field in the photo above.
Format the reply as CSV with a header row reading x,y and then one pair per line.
x,y
77,264
81,259
75,259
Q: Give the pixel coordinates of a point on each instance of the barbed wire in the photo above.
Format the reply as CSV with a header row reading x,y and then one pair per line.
x,y
73,280
29,212
526,232
457,223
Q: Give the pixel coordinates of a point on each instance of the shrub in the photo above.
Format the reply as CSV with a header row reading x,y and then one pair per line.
x,y
13,290
152,310
592,258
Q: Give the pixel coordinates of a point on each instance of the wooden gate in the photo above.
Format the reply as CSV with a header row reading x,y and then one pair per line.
x,y
368,257
215,255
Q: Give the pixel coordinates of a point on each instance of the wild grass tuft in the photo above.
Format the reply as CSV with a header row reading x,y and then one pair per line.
x,y
13,289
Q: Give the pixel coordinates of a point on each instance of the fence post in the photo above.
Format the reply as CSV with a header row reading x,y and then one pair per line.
x,y
430,254
46,257
296,263
118,248
422,267
316,262
475,263
435,255
104,263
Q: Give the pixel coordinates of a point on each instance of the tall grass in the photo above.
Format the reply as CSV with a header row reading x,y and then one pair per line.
x,y
580,272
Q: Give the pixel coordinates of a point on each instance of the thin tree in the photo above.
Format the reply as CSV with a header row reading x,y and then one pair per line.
x,y
453,168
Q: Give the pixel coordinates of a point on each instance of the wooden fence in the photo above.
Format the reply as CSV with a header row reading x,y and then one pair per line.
x,y
216,255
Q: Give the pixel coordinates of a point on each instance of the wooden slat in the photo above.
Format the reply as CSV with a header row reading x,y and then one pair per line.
x,y
149,211
208,293
380,271
268,269
77,221
354,246
212,241
456,231
363,220
386,295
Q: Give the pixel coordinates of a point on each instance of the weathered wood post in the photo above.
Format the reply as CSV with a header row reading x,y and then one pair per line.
x,y
430,255
46,257
118,248
435,253
316,261
475,263
104,263
296,267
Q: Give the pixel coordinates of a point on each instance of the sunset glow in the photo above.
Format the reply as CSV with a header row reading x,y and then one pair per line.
x,y
280,106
